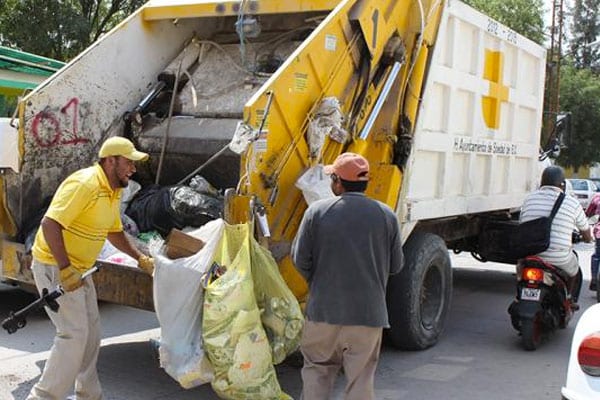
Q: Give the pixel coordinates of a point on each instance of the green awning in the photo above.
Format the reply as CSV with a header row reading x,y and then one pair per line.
x,y
15,88
27,63
23,70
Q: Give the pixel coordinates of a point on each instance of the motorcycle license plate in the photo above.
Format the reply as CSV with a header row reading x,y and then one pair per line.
x,y
530,294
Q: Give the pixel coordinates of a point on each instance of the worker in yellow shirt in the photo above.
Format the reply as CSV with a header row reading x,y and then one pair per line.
x,y
82,215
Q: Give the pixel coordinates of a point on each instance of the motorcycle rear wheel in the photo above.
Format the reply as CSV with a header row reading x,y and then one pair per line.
x,y
531,333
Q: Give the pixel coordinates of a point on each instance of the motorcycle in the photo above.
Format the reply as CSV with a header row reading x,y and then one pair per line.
x,y
542,303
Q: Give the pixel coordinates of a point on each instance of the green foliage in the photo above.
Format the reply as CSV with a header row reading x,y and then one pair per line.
x,y
580,85
522,16
7,105
59,29
580,94
585,29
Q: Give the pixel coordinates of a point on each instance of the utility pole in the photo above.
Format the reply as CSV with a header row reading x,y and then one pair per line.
x,y
552,102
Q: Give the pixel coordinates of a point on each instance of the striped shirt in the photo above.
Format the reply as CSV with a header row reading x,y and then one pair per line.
x,y
88,209
570,217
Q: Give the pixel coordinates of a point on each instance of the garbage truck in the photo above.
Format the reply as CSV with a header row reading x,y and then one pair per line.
x,y
445,103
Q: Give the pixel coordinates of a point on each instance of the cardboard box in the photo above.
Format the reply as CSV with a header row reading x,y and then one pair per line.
x,y
179,244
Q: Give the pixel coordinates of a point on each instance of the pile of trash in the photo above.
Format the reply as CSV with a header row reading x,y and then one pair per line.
x,y
149,214
226,314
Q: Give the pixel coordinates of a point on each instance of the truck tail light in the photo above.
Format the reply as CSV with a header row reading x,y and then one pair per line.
x,y
533,274
589,354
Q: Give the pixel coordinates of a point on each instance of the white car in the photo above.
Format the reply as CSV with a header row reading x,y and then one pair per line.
x,y
584,190
583,372
569,188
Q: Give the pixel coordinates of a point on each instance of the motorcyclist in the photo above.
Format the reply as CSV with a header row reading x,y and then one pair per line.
x,y
570,217
592,210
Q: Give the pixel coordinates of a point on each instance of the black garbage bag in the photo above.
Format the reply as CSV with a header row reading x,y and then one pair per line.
x,y
150,208
163,208
193,208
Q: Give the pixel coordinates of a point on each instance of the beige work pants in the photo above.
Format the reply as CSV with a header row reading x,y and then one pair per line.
x,y
327,348
73,357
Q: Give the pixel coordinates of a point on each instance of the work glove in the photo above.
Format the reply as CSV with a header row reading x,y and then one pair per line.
x,y
70,279
146,263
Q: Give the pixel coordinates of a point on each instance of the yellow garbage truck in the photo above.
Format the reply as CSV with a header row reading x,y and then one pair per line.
x,y
445,103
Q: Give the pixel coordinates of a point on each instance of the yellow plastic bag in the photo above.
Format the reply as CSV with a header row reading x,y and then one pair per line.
x,y
234,338
281,315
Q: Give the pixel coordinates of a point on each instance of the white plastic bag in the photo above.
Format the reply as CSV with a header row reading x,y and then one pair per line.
x,y
327,121
315,184
242,137
178,299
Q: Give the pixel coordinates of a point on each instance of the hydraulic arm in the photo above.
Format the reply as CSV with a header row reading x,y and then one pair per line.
x,y
370,55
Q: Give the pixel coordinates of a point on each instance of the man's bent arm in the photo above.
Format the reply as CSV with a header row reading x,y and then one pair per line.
x,y
302,249
120,241
397,257
53,233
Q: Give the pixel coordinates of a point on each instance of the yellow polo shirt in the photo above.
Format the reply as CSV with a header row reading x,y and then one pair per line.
x,y
88,209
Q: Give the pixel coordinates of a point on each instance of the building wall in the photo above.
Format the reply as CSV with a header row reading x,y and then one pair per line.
x,y
583,172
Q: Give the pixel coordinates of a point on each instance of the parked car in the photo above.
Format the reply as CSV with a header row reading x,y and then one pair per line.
x,y
583,371
596,182
569,188
584,190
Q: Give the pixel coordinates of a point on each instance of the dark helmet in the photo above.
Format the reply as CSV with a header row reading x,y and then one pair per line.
x,y
553,176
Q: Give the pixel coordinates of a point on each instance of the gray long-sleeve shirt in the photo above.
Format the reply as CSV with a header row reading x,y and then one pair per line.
x,y
346,248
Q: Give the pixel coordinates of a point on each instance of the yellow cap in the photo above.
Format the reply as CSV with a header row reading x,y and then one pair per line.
x,y
119,146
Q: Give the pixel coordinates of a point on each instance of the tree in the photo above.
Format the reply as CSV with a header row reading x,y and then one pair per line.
x,y
59,29
585,29
522,16
580,93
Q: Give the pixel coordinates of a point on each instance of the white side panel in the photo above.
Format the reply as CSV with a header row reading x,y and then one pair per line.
x,y
9,146
66,118
80,103
459,163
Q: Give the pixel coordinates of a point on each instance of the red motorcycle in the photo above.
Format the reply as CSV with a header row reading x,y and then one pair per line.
x,y
542,303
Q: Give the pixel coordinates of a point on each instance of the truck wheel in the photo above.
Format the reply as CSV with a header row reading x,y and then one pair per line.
x,y
418,298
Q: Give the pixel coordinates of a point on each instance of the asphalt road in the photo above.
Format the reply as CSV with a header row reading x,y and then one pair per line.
x,y
479,355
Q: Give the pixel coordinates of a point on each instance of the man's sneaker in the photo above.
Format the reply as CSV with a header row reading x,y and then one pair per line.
x,y
594,285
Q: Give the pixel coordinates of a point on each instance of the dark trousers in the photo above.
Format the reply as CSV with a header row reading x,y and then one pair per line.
x,y
595,260
574,283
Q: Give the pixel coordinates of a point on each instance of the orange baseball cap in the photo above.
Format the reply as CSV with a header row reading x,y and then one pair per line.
x,y
350,167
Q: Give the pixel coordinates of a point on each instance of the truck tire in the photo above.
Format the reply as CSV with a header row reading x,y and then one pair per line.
x,y
418,298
